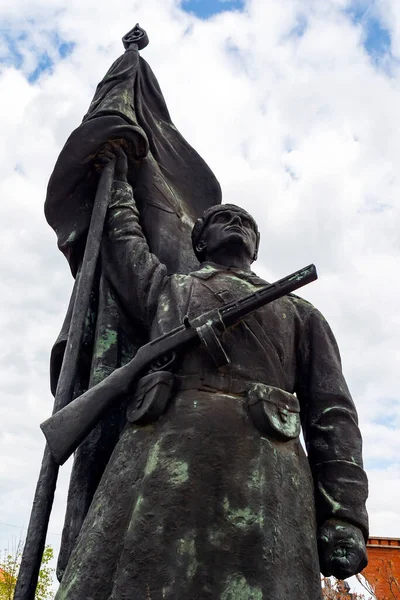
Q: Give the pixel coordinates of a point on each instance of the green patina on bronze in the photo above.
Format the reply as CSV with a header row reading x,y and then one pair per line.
x,y
71,237
186,550
257,476
107,339
216,536
178,471
136,510
243,518
153,457
237,588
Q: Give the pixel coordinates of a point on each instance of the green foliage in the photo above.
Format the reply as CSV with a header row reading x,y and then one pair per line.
x,y
9,566
43,590
10,561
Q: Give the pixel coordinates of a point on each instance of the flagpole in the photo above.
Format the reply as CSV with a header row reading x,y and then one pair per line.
x,y
44,495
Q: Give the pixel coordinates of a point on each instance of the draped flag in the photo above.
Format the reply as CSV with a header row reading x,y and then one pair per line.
x,y
172,186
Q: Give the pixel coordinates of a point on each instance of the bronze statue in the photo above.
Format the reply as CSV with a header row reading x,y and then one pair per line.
x,y
213,497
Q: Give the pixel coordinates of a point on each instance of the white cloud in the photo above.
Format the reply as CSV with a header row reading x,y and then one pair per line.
x,y
304,131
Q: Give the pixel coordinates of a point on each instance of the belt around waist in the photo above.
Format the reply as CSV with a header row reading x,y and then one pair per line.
x,y
273,411
212,382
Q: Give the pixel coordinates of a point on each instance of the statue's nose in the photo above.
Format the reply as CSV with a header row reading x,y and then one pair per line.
x,y
236,219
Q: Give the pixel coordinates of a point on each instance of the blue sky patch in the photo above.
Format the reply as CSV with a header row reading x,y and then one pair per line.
x,y
207,8
66,48
12,57
301,26
378,464
377,40
45,63
16,43
388,418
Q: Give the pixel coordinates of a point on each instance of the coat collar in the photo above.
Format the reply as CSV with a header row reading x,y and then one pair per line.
x,y
209,270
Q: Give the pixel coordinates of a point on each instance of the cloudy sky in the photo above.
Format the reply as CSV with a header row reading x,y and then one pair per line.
x,y
295,106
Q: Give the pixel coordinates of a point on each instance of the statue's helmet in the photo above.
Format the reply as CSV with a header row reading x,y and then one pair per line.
x,y
201,224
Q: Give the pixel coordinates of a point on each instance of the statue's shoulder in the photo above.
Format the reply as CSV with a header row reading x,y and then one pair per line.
x,y
298,304
205,271
301,306
307,312
184,281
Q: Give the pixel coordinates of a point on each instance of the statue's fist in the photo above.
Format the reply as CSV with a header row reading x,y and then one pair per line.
x,y
341,549
121,165
112,152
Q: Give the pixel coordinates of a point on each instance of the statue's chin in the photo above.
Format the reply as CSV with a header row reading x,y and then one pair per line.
x,y
232,240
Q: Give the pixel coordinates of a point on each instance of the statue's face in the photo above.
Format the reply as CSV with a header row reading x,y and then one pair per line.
x,y
230,228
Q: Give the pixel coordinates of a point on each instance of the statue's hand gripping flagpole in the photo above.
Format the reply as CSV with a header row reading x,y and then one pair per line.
x,y
44,495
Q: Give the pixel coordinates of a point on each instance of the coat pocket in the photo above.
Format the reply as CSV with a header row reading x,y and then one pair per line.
x,y
151,397
274,412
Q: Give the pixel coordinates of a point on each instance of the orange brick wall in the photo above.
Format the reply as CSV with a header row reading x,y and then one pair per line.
x,y
383,570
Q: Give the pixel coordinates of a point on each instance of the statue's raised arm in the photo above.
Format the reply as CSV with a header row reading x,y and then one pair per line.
x,y
136,275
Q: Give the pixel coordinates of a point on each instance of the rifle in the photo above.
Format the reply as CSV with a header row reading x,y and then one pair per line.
x,y
66,429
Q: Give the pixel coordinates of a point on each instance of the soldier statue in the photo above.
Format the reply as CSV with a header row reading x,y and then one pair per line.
x,y
212,497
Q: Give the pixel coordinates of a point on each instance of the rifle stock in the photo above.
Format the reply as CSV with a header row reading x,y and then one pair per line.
x,y
66,429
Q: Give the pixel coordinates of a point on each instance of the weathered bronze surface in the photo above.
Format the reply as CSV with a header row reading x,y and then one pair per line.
x,y
212,497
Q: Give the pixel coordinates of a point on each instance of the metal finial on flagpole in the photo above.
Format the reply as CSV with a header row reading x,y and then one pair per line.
x,y
136,36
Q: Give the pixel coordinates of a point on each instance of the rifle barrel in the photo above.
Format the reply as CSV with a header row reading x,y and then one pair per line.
x,y
234,311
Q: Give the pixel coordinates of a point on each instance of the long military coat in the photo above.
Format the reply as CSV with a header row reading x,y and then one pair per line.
x,y
202,504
